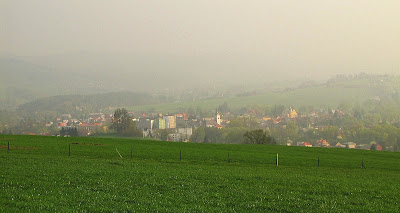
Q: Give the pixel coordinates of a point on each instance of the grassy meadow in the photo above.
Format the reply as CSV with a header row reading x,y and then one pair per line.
x,y
37,174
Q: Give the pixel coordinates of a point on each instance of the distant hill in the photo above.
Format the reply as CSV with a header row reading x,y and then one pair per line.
x,y
22,82
354,90
86,103
330,94
11,97
41,81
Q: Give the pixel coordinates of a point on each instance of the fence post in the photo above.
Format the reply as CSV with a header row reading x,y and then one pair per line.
x,y
118,153
277,159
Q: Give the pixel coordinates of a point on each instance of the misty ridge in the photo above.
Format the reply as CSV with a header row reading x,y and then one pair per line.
x,y
162,78
75,48
156,72
80,74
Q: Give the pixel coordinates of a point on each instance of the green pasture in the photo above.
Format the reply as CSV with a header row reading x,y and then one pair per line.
x,y
38,175
319,96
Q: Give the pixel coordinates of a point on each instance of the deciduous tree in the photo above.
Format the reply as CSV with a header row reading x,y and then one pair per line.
x,y
123,124
258,136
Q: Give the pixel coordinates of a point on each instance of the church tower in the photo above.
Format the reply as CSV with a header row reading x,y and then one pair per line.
x,y
292,113
217,117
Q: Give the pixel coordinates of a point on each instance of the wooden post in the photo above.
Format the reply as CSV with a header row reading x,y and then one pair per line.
x,y
118,153
131,153
229,160
180,155
69,150
277,159
318,161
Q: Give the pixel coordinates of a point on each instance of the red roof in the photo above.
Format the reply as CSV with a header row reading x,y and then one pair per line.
x,y
89,124
218,126
275,121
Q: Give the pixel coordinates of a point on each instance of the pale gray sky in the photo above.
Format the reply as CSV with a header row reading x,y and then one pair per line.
x,y
299,37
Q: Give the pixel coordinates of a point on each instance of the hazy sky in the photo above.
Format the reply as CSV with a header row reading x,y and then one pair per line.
x,y
287,35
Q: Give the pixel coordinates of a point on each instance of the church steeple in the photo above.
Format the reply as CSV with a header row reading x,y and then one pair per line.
x,y
217,117
292,113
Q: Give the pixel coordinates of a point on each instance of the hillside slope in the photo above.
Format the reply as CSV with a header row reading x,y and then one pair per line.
x,y
317,96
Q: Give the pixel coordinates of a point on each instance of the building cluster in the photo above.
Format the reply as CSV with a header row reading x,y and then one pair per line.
x,y
180,126
94,122
348,145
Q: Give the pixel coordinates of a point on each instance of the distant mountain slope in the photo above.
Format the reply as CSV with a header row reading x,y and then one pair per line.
x,y
47,81
11,97
318,96
23,75
86,103
21,82
330,94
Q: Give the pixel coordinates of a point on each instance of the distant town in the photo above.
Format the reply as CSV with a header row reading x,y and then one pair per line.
x,y
180,127
373,124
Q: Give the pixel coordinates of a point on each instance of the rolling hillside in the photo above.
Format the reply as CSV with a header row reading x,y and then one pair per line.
x,y
317,96
22,82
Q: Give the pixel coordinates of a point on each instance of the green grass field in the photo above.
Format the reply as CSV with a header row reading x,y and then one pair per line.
x,y
38,175
319,96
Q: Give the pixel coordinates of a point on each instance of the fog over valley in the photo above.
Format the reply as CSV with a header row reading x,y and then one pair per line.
x,y
155,45
199,106
293,69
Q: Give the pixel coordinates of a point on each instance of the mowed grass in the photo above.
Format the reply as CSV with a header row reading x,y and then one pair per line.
x,y
319,96
38,175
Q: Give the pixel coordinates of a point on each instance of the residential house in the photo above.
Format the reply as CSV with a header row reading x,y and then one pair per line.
x,y
210,123
322,143
306,144
89,128
364,146
96,117
350,145
378,147
339,145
